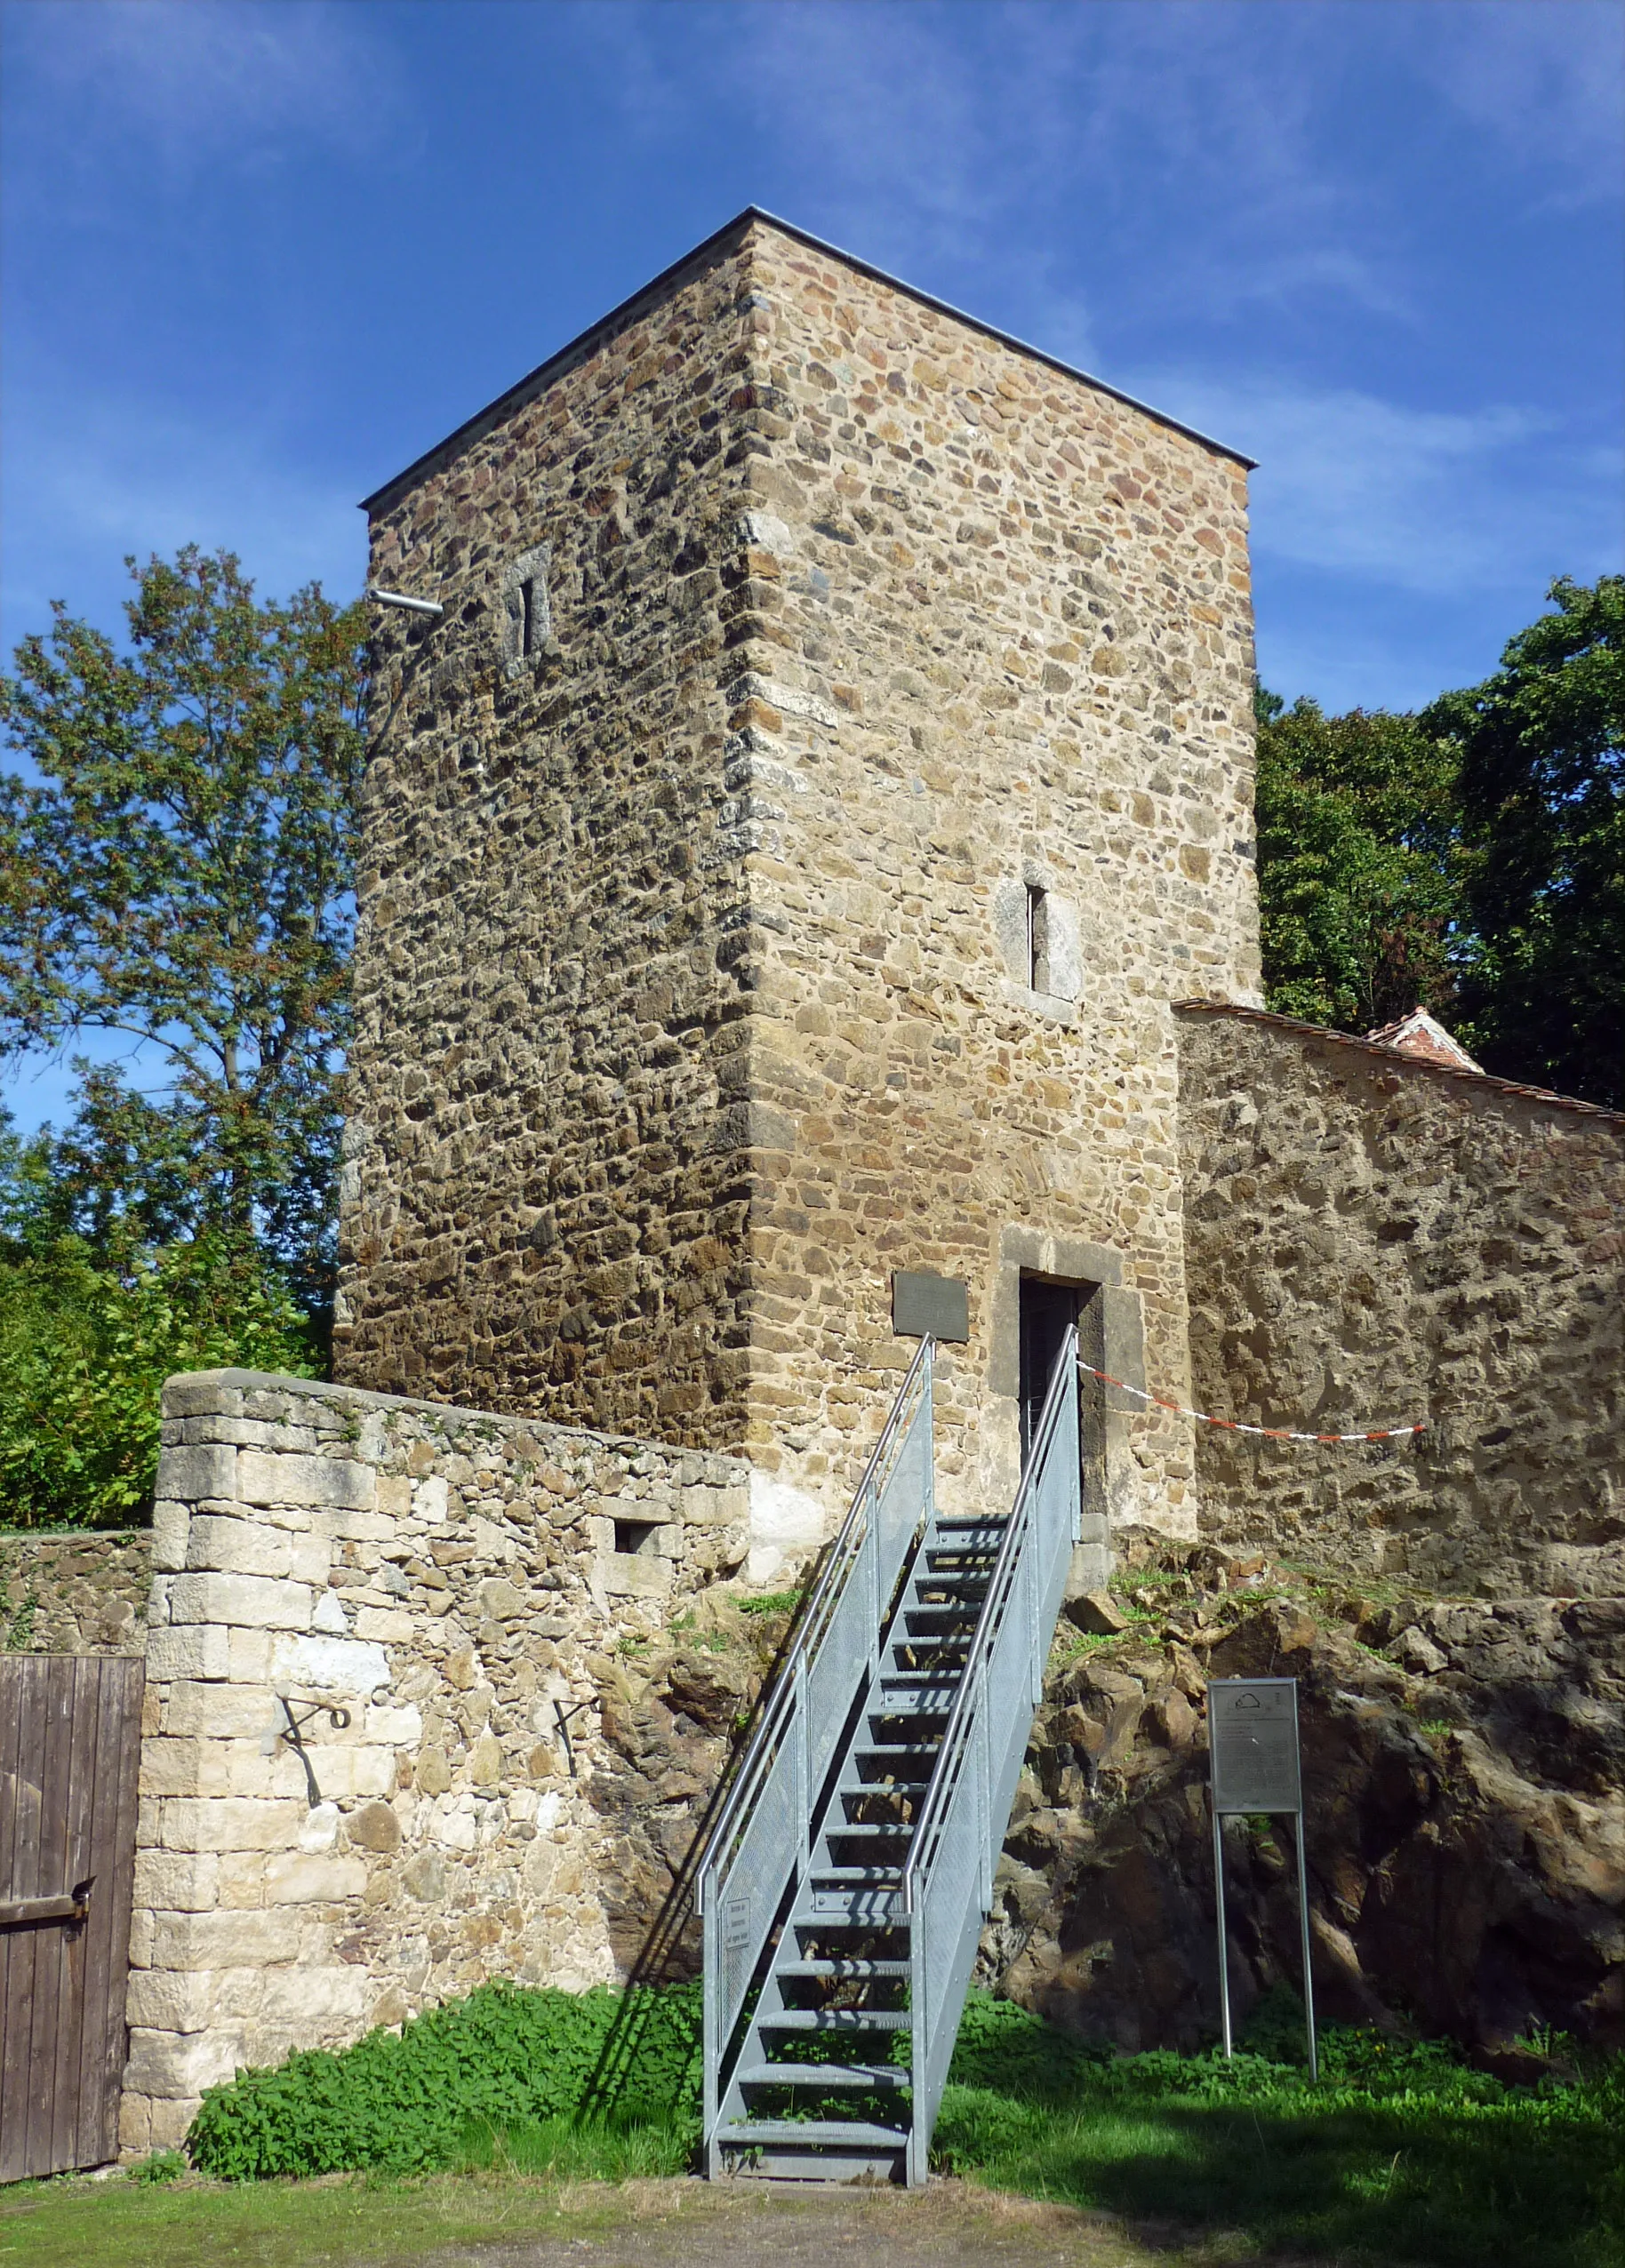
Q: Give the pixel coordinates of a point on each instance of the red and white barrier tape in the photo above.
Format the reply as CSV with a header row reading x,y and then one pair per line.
x,y
1235,1426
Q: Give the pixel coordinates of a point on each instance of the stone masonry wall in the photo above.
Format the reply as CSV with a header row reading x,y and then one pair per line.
x,y
693,985
998,636
454,1581
81,1590
1370,1239
544,1197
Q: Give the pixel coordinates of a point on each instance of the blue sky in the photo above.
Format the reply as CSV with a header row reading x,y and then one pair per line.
x,y
256,258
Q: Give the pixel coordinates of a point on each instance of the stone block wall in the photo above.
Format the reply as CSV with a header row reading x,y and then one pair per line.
x,y
1371,1239
995,640
81,1590
546,1180
457,1583
693,984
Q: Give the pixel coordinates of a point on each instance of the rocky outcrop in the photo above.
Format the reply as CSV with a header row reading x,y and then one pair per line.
x,y
1464,1767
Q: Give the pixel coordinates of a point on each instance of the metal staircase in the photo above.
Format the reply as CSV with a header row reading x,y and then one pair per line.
x,y
846,1880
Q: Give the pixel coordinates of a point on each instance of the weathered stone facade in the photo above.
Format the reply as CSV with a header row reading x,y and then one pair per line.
x,y
459,1583
696,989
1373,1238
79,1590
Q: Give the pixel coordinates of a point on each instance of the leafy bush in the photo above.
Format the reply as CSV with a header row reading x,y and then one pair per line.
x,y
84,1350
1008,2050
498,2071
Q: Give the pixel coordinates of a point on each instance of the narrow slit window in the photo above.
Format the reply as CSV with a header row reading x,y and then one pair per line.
x,y
527,615
1037,937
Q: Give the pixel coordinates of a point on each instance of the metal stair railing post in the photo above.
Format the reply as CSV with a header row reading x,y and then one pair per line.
x,y
759,1842
947,1877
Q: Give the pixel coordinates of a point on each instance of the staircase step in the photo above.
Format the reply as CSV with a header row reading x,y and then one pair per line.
x,y
747,2131
876,2077
835,2020
858,1971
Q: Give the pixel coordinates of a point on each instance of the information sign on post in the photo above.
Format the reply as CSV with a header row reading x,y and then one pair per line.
x,y
1253,1745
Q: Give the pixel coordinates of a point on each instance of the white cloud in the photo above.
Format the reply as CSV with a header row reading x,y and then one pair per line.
x,y
1548,77
1424,500
210,80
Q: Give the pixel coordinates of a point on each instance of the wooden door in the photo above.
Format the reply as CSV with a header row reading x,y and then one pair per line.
x,y
70,1743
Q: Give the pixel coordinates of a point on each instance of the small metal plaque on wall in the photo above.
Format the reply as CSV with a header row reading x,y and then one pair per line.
x,y
1252,1728
929,1306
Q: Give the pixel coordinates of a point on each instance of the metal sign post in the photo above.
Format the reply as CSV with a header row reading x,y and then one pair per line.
x,y
1253,1745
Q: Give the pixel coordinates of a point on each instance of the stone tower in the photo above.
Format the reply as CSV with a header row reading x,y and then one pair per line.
x,y
781,856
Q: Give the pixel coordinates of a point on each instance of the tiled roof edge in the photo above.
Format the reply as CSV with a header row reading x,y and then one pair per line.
x,y
1392,1055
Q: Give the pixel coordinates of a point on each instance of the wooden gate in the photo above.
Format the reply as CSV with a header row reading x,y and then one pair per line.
x,y
70,1744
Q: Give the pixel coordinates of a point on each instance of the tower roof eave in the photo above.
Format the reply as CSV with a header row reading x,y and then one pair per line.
x,y
533,383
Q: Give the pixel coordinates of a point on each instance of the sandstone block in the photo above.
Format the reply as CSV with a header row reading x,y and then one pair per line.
x,y
167,2063
394,1728
299,1878
168,2122
134,2126
230,1823
191,1652
169,1537
243,1939
220,1711
315,2003
195,1474
385,1625
181,1882
310,1558
338,1666
198,1394
235,1547
331,1483
249,1653
174,2001
629,1575
253,1601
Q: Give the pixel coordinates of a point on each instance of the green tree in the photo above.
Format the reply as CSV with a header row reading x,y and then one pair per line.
x,y
1358,893
1540,756
179,870
86,1343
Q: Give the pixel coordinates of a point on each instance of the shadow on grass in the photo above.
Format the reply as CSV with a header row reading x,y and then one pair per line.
x,y
1390,2184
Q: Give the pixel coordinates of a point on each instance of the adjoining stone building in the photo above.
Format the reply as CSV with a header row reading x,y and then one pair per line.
x,y
782,856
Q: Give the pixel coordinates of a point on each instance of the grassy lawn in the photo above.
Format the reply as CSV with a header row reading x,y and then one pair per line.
x,y
1374,2182
282,2224
478,2128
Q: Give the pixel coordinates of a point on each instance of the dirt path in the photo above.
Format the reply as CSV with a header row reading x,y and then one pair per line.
x,y
693,2224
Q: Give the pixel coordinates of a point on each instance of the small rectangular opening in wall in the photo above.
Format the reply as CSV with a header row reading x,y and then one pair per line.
x,y
1037,937
635,1539
527,615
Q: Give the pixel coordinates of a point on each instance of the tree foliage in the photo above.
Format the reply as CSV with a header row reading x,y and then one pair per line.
x,y
86,1344
1470,858
1539,755
179,870
1358,890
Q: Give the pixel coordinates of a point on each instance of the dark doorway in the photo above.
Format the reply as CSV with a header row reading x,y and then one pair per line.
x,y
1048,1311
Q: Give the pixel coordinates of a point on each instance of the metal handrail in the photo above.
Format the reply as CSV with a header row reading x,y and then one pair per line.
x,y
957,1732
826,1594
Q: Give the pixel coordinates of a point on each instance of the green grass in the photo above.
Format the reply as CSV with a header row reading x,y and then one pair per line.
x,y
1400,2157
344,2222
1401,2154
